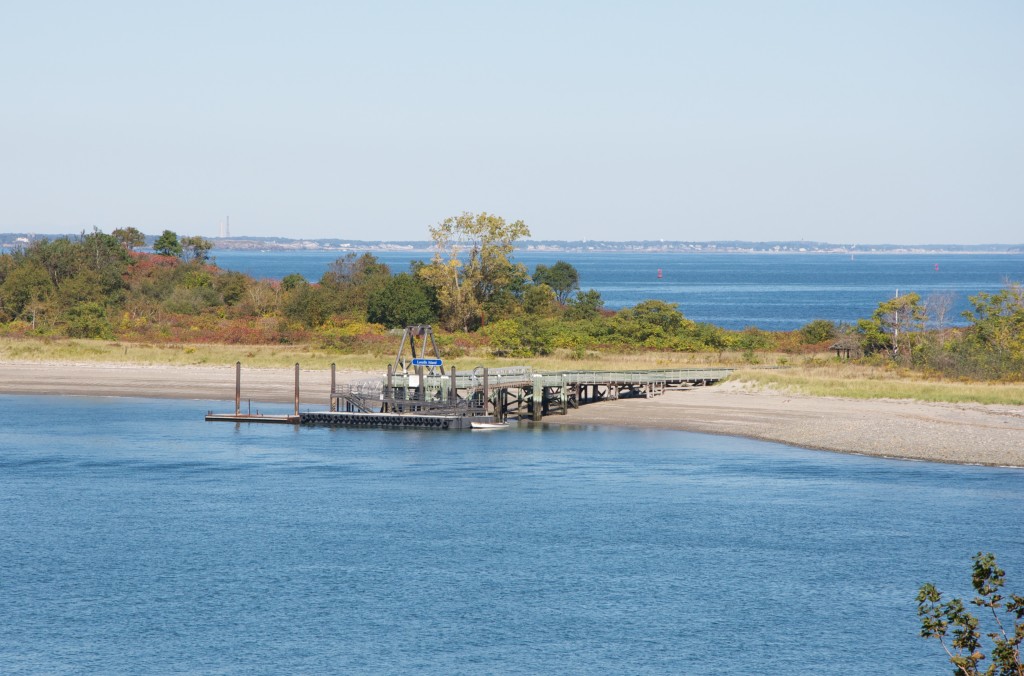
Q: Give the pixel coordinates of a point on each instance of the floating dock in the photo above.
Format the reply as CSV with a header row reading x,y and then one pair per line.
x,y
253,417
391,420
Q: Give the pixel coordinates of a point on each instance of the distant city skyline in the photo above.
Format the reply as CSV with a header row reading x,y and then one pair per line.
x,y
871,122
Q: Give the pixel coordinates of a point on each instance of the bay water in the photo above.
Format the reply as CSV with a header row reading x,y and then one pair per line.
x,y
136,538
776,292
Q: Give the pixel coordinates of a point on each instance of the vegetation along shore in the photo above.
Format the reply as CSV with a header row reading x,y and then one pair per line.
x,y
96,300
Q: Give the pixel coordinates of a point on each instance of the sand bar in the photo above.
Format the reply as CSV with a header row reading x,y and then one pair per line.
x,y
953,433
956,433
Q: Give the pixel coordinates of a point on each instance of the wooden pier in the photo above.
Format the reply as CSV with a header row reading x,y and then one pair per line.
x,y
418,393
518,391
455,400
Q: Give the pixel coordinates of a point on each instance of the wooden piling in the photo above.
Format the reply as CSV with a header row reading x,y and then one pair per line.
x,y
487,391
538,397
334,382
389,392
238,387
296,388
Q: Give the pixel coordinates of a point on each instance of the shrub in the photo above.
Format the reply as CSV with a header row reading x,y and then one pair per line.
x,y
88,320
818,331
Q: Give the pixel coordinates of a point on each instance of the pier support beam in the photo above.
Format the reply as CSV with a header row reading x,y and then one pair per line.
x,y
538,397
487,391
238,387
389,393
334,382
296,388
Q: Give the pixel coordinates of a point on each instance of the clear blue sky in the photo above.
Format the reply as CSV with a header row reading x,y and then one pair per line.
x,y
865,122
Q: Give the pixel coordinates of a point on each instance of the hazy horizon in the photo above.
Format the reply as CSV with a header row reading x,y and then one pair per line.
x,y
895,123
424,240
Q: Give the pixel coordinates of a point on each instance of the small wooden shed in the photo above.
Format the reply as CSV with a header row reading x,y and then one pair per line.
x,y
845,347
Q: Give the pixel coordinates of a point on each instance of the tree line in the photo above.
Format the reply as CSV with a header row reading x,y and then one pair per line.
x,y
100,285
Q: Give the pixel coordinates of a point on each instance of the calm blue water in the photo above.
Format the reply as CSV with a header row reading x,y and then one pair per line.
x,y
771,291
137,539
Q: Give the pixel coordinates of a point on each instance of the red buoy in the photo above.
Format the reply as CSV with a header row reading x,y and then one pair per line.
x,y
659,273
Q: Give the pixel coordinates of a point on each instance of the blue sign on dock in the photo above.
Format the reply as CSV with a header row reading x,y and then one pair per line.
x,y
426,362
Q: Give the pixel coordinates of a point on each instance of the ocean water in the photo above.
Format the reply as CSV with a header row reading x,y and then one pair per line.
x,y
137,538
775,292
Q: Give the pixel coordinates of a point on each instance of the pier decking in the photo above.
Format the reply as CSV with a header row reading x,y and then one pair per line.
x,y
454,400
424,399
495,394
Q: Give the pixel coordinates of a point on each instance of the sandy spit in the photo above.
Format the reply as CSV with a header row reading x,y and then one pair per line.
x,y
951,433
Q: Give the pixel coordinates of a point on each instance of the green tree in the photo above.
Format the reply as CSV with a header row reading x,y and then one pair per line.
x,y
817,331
562,277
167,244
310,304
130,238
26,284
960,632
289,282
586,305
88,320
403,301
195,248
893,327
232,286
351,280
997,321
85,287
540,300
466,293
105,255
458,308
61,258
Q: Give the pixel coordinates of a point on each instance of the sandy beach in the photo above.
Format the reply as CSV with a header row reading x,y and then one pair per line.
x,y
953,433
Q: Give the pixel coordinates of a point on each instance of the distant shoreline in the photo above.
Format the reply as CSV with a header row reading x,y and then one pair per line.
x,y
947,433
13,240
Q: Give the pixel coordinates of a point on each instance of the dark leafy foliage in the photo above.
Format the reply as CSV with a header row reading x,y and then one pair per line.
x,y
962,634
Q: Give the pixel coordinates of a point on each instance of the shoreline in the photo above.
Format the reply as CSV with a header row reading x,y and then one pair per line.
x,y
900,429
969,434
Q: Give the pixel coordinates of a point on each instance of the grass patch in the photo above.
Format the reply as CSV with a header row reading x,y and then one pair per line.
x,y
176,354
316,357
866,382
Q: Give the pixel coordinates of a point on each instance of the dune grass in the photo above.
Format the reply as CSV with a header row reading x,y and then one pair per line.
x,y
315,357
256,356
871,382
